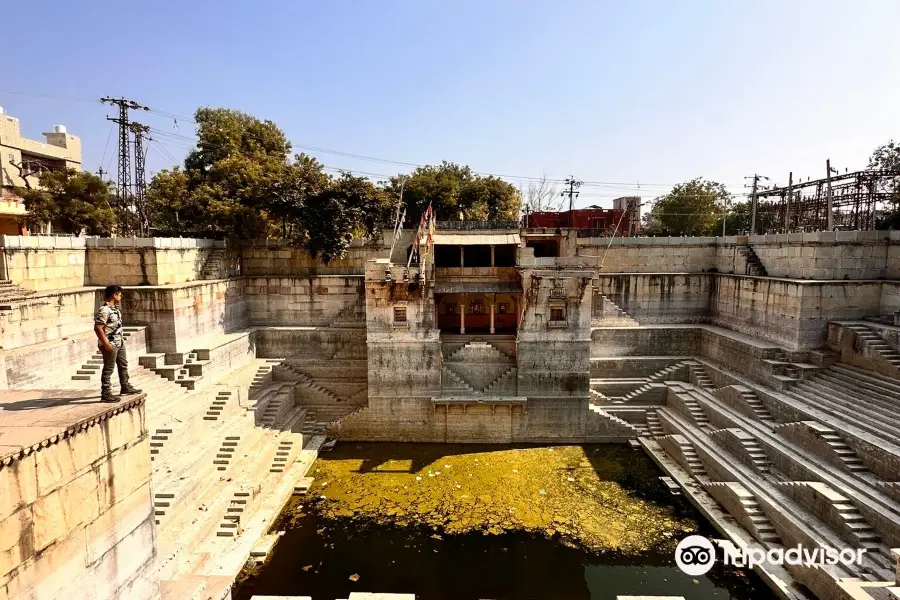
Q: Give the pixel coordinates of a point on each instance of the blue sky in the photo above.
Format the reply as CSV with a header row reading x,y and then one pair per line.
x,y
647,91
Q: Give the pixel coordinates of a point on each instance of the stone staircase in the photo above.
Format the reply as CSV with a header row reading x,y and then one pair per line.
x,y
282,455
607,313
505,384
10,292
853,463
319,417
352,317
453,384
654,426
684,453
157,440
214,267
306,383
162,502
628,428
479,368
226,452
755,404
864,399
636,393
699,377
754,265
184,369
765,531
90,370
749,512
876,344
231,521
757,455
218,405
695,411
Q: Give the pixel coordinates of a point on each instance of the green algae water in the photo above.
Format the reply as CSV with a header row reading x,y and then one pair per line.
x,y
474,522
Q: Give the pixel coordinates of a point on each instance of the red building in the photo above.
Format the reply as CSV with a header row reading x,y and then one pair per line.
x,y
601,220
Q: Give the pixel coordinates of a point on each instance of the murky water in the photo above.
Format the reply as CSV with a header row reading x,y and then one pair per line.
x,y
471,522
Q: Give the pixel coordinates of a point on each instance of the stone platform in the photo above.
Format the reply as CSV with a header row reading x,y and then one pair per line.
x,y
75,496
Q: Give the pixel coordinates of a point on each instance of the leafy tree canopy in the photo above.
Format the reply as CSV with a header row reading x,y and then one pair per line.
x,y
74,201
456,194
887,158
691,208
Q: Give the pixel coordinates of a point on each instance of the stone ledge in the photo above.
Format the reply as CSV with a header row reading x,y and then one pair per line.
x,y
10,454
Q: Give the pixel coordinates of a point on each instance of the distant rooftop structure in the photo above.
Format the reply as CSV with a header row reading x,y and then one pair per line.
x,y
22,161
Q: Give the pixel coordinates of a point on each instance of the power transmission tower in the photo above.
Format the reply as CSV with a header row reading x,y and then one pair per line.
x,y
140,179
754,200
572,194
123,185
829,214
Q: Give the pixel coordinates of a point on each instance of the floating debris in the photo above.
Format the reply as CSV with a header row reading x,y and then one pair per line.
x,y
354,578
599,513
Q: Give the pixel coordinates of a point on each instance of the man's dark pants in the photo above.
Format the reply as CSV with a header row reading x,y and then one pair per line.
x,y
115,358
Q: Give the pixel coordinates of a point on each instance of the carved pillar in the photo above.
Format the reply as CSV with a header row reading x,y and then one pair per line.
x,y
492,255
493,302
462,315
462,256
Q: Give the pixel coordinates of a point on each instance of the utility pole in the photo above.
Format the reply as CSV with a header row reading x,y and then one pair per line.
x,y
754,200
830,197
100,172
140,180
572,194
787,211
724,214
123,185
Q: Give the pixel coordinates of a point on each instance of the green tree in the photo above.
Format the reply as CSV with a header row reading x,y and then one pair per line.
x,y
302,180
229,177
74,201
456,194
887,158
346,208
168,201
691,208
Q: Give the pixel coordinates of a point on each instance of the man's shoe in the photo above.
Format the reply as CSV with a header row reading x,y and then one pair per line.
x,y
130,390
108,397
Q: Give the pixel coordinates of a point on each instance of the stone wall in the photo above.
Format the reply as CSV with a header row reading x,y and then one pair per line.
x,y
41,366
292,300
645,341
275,257
177,316
48,316
793,313
660,297
829,255
76,517
43,262
155,261
553,357
648,255
820,255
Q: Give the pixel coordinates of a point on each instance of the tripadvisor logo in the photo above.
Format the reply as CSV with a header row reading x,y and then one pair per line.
x,y
696,555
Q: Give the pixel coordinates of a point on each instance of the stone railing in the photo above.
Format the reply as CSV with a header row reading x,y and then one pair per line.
x,y
45,242
161,243
477,225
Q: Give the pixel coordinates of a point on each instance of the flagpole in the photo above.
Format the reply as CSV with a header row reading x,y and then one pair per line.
x,y
398,225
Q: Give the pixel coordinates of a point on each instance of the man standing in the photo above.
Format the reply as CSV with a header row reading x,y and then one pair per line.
x,y
108,327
